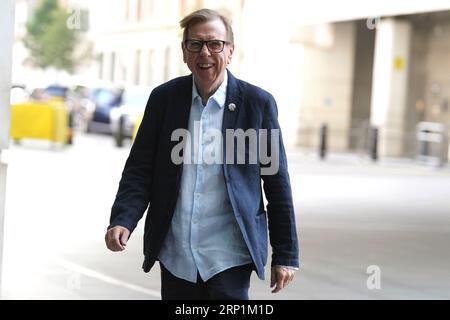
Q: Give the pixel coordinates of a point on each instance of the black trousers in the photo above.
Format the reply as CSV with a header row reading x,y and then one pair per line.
x,y
231,284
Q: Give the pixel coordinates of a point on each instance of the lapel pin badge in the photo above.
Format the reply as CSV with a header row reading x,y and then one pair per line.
x,y
231,107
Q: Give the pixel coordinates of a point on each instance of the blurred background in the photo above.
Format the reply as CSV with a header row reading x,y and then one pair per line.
x,y
363,91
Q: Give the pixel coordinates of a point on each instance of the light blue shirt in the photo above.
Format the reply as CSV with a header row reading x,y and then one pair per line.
x,y
204,235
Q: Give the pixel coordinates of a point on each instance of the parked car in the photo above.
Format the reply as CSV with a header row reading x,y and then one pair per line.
x,y
124,117
56,90
83,107
105,100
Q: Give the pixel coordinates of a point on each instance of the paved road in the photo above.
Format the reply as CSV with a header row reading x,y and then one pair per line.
x,y
351,214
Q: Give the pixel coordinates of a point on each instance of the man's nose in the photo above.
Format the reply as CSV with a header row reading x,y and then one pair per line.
x,y
205,51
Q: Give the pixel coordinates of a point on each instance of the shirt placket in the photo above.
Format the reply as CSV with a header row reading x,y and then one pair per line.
x,y
200,170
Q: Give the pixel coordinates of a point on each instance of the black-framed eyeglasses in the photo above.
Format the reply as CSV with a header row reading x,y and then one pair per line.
x,y
214,46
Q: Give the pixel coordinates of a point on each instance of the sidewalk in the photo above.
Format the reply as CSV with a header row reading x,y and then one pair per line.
x,y
335,199
342,163
60,279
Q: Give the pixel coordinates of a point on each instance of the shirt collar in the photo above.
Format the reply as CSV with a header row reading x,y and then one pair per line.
x,y
219,96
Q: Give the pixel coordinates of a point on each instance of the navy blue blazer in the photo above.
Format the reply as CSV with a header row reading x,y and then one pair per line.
x,y
151,180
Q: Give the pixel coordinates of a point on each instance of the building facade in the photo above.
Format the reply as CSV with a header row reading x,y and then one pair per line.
x,y
389,72
350,65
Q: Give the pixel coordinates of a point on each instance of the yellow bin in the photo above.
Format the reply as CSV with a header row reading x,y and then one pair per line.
x,y
137,125
38,120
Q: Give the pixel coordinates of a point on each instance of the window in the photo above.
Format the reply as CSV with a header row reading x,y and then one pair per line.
x,y
100,65
127,10
137,67
113,65
138,10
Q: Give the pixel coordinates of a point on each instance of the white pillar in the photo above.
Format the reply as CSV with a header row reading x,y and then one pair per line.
x,y
326,83
389,85
6,39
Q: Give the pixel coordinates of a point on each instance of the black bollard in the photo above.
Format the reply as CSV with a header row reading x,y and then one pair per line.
x,y
120,134
373,143
323,141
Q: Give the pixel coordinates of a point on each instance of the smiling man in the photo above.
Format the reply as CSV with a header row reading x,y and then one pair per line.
x,y
206,222
207,50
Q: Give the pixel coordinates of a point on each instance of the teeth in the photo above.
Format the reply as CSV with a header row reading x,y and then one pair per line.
x,y
205,65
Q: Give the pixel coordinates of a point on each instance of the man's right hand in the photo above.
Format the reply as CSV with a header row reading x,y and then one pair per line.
x,y
116,238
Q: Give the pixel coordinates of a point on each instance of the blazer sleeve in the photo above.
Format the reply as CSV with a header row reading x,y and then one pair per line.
x,y
133,195
277,189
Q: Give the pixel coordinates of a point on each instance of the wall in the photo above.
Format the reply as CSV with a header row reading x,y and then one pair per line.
x,y
327,85
417,82
362,85
437,86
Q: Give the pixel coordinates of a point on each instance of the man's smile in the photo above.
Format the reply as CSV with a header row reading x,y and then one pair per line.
x,y
205,65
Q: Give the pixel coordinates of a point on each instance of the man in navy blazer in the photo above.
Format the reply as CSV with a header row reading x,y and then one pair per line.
x,y
206,222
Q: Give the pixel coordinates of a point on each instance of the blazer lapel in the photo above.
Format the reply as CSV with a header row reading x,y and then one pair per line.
x,y
179,111
182,105
233,104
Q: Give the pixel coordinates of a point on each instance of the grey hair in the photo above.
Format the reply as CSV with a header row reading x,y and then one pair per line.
x,y
205,15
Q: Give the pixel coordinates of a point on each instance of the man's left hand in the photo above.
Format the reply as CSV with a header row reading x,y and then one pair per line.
x,y
281,277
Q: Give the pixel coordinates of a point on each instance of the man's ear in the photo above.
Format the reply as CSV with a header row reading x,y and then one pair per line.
x,y
184,52
230,53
